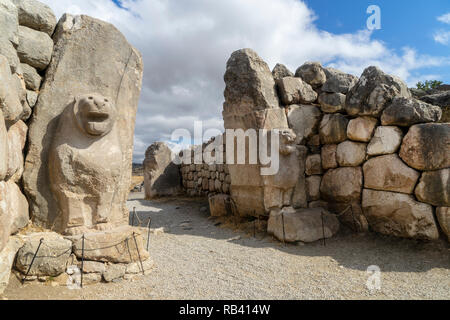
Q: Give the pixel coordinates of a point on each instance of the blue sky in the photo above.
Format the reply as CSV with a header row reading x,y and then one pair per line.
x,y
403,24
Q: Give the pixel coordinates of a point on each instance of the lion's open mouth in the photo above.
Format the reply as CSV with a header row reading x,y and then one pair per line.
x,y
95,116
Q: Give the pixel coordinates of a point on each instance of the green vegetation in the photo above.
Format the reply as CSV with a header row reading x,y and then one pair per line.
x,y
428,84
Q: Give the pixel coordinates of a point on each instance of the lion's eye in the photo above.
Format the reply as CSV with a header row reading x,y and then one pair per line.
x,y
91,98
106,100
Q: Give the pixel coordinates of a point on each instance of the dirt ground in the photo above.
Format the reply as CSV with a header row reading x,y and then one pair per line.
x,y
198,257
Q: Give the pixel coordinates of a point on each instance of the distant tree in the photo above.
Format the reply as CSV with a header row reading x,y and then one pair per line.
x,y
428,84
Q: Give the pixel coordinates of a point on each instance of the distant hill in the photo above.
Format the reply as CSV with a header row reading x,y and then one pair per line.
x,y
138,169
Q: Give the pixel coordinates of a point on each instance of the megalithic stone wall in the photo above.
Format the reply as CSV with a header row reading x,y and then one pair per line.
x,y
365,149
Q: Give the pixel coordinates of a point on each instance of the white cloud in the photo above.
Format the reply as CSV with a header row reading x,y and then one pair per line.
x,y
443,37
444,18
185,46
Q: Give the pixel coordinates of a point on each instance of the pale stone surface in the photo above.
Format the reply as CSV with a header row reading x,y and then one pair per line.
x,y
313,188
294,91
407,111
52,257
107,159
304,120
161,175
399,215
443,216
312,73
361,129
299,197
36,15
426,146
303,225
332,102
115,246
17,136
434,188
9,33
328,156
219,205
7,256
5,217
17,206
32,97
35,48
114,272
93,267
313,165
350,154
373,91
338,81
10,102
4,148
333,129
351,215
386,140
389,173
31,77
136,267
280,71
342,184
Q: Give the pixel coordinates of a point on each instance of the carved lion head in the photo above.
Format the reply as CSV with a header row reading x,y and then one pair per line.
x,y
94,114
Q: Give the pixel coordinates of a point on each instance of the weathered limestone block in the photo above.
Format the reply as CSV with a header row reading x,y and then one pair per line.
x,y
361,129
136,267
427,146
32,97
17,136
36,15
115,246
303,225
350,154
312,73
97,138
443,216
332,102
406,112
304,120
313,165
31,77
351,215
7,256
313,187
35,48
434,188
17,206
51,259
219,205
399,215
342,184
114,272
389,173
441,99
299,197
373,92
9,33
328,156
4,148
280,71
10,102
386,140
5,216
93,267
161,175
333,129
294,91
338,81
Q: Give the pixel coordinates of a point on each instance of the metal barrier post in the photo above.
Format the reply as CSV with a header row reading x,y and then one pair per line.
x,y
148,235
32,261
139,255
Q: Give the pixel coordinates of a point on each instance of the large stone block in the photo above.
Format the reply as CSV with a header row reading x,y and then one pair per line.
x,y
294,91
350,154
35,48
17,136
338,81
94,183
280,71
4,148
386,140
406,112
361,129
389,173
9,22
333,129
31,77
342,184
443,216
328,156
332,102
434,188
304,120
7,256
399,215
36,15
312,73
10,93
161,175
427,146
219,205
305,225
373,92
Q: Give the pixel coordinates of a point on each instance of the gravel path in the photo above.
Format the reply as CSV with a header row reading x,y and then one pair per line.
x,y
198,259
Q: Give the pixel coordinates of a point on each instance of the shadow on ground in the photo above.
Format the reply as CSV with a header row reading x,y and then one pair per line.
x,y
187,216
